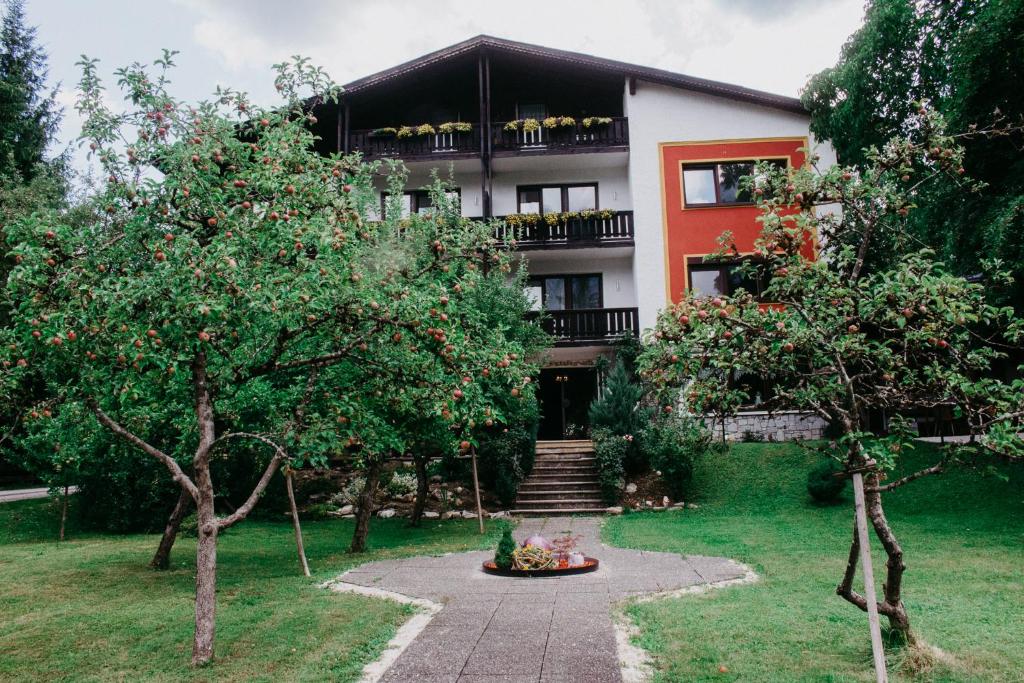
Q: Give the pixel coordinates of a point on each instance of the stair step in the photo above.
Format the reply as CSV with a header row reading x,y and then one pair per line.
x,y
557,512
548,485
551,459
561,478
557,494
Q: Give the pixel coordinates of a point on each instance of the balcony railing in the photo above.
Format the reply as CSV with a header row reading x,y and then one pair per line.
x,y
590,325
599,228
560,140
432,145
576,138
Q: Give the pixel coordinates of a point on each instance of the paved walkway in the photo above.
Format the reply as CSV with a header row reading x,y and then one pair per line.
x,y
515,630
27,494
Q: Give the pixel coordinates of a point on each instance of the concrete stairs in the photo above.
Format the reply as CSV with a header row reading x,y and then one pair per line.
x,y
563,481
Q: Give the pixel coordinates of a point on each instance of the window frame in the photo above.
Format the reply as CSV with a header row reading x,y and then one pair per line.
x,y
564,190
698,264
415,196
712,165
535,280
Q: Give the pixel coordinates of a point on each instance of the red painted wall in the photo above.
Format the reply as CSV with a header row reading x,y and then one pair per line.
x,y
694,231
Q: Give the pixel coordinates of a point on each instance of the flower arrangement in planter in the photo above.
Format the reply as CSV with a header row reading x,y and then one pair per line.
x,y
537,555
525,125
419,131
517,220
450,127
386,132
596,121
559,122
532,558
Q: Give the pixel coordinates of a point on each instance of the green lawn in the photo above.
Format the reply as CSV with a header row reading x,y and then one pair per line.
x,y
963,537
89,610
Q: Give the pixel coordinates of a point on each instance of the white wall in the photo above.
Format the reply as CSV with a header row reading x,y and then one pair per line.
x,y
612,184
663,114
616,273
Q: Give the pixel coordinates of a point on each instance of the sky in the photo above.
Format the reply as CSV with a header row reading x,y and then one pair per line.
x,y
771,45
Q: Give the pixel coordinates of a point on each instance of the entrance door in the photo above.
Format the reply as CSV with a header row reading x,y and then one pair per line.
x,y
565,396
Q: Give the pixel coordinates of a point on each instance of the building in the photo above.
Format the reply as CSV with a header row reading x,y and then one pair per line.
x,y
620,178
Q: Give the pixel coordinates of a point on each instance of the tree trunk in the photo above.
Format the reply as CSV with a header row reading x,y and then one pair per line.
x,y
422,490
365,510
63,514
892,589
206,571
295,520
162,558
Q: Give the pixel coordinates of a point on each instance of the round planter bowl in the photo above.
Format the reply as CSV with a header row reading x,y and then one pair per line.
x,y
589,565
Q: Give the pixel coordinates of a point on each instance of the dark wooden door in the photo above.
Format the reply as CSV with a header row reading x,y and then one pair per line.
x,y
565,395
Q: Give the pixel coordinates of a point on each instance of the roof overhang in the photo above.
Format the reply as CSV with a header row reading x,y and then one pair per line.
x,y
494,45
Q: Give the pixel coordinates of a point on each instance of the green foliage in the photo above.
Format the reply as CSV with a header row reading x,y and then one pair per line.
x,y
957,56
251,262
963,529
505,454
618,411
673,445
29,116
611,451
503,554
847,339
822,483
273,623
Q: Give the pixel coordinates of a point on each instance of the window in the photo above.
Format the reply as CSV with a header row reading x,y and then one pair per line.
x,y
719,183
715,279
557,198
416,201
565,292
531,111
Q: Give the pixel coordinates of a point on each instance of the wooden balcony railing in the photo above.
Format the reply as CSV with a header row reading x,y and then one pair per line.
x,y
575,138
590,325
599,228
434,145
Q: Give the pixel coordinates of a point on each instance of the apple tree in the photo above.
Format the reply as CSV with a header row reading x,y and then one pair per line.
x,y
231,289
840,340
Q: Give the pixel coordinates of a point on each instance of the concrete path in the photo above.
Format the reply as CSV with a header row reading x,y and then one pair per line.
x,y
27,494
514,630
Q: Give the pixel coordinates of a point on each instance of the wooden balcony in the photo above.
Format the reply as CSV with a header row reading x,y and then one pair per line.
x,y
435,145
561,140
601,228
373,144
588,326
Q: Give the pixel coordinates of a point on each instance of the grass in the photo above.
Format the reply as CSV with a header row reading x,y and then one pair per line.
x,y
89,609
963,539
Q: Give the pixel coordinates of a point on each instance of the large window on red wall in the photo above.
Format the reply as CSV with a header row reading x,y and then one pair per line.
x,y
726,278
712,184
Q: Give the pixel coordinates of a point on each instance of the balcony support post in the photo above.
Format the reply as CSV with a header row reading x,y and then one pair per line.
x,y
484,82
346,134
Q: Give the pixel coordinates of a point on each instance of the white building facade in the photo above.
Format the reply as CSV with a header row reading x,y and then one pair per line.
x,y
618,177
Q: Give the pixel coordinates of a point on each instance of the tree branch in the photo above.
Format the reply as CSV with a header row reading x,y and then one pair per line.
x,y
177,473
246,507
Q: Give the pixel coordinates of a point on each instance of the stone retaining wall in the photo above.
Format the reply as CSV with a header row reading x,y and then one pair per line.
x,y
778,426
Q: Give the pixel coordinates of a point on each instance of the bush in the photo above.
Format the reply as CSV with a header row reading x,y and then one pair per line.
x,y
618,411
401,483
611,451
506,546
672,446
505,456
822,483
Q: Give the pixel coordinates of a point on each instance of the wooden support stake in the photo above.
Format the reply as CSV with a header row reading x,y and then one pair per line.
x,y
877,649
476,488
295,520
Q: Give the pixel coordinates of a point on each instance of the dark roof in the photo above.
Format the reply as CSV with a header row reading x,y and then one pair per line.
x,y
646,73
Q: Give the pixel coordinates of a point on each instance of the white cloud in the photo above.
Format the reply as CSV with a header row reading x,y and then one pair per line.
x,y
769,45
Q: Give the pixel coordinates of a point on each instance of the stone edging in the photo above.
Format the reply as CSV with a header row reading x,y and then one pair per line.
x,y
406,633
635,662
